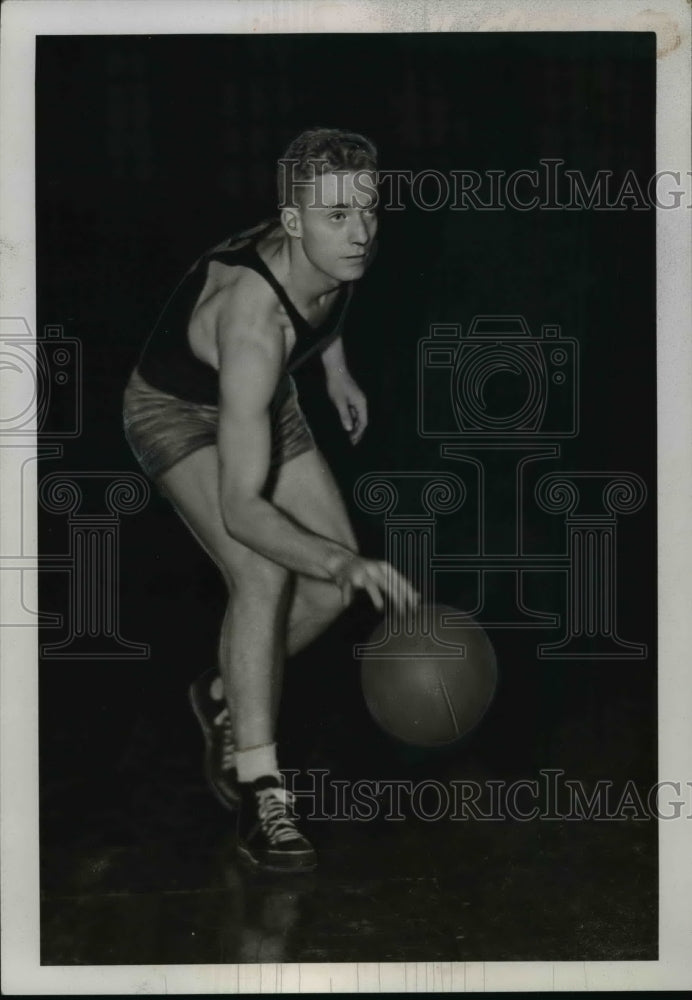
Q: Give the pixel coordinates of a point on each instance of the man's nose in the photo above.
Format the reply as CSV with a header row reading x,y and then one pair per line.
x,y
359,232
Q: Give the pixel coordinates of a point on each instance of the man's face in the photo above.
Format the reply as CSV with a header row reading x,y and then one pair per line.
x,y
338,222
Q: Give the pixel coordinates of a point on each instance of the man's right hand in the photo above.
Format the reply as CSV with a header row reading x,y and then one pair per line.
x,y
379,579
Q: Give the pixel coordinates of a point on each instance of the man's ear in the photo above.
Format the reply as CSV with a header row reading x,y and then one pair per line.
x,y
291,221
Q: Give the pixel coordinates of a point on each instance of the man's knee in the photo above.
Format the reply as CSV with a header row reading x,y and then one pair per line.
x,y
324,603
342,533
257,578
352,543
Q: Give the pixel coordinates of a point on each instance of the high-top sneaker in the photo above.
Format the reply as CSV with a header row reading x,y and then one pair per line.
x,y
267,834
219,745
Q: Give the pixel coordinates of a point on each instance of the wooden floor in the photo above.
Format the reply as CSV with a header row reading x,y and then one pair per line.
x,y
138,859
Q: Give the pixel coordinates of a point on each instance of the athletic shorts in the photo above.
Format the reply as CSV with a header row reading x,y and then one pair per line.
x,y
162,429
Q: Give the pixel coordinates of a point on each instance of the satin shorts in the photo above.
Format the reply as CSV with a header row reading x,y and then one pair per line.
x,y
162,429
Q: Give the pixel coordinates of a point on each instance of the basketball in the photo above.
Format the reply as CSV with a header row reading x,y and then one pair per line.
x,y
430,683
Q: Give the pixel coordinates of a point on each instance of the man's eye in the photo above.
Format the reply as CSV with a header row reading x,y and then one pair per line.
x,y
338,215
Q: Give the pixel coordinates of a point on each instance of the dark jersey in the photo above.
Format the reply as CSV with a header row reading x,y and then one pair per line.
x,y
167,361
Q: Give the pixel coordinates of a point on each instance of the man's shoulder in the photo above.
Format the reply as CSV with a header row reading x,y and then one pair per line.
x,y
242,296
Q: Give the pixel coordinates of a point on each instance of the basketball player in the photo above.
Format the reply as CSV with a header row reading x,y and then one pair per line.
x,y
211,413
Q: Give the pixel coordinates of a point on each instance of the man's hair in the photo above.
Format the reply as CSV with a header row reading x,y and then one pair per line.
x,y
318,151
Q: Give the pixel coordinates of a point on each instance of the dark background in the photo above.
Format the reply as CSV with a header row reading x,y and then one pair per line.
x,y
149,150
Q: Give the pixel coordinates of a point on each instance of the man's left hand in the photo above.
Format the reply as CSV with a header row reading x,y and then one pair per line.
x,y
351,404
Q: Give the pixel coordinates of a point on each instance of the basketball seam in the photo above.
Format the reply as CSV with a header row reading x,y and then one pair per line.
x,y
450,706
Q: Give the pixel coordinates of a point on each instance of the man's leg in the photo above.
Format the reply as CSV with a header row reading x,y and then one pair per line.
x,y
306,491
253,631
264,612
270,612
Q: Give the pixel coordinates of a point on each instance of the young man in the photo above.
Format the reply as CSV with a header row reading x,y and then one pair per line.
x,y
212,414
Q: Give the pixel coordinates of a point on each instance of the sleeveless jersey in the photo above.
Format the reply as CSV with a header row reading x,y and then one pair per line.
x,y
167,362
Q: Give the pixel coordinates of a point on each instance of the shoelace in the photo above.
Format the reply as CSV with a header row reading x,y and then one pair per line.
x,y
273,805
223,719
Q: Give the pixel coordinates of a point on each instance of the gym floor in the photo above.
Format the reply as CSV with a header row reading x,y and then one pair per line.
x,y
138,861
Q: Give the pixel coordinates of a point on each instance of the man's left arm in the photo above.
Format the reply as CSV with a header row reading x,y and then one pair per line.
x,y
348,398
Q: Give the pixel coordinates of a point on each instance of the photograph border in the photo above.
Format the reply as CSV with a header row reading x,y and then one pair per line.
x,y
22,21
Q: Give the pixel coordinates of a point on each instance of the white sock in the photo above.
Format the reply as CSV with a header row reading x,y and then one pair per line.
x,y
256,762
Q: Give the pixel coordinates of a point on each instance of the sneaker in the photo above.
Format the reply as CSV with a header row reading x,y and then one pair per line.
x,y
219,747
267,834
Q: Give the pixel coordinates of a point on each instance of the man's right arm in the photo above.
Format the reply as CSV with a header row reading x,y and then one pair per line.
x,y
250,364
251,357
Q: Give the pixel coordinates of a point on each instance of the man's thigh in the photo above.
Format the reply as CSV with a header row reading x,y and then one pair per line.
x,y
192,487
306,490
